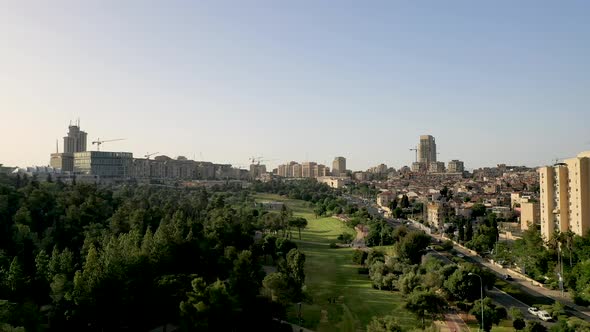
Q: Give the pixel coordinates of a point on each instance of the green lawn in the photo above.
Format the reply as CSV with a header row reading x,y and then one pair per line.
x,y
331,274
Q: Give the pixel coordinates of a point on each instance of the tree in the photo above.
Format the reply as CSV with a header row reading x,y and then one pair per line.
x,y
296,264
376,273
15,279
408,282
392,204
515,313
412,246
478,210
42,267
518,324
491,313
208,307
469,231
246,278
425,303
384,324
405,202
298,223
534,326
359,257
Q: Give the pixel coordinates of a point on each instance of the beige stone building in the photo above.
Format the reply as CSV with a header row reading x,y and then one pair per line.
x,y
436,213
436,167
307,169
339,166
427,149
63,161
455,166
385,198
565,196
334,181
418,167
530,213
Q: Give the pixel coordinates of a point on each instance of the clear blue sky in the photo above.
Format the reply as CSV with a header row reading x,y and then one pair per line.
x,y
494,82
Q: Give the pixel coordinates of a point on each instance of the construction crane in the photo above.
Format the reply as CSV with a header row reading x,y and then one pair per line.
x,y
415,149
98,142
255,160
148,155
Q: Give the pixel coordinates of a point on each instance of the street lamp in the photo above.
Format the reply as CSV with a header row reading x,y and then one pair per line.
x,y
481,295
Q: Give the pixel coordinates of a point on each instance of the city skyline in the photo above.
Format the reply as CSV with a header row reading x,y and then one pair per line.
x,y
229,81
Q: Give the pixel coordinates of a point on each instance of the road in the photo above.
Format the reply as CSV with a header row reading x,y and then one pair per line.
x,y
526,286
496,294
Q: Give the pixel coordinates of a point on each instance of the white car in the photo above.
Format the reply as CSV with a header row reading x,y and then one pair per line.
x,y
533,310
544,315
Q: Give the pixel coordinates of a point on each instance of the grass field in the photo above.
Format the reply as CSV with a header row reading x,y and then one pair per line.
x,y
330,274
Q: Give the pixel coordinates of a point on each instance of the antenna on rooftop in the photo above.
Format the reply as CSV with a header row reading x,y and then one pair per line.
x,y
56,146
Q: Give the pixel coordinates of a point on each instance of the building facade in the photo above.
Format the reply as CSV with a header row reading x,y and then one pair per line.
x,y
76,140
436,214
565,196
427,149
104,164
530,214
63,161
436,167
339,166
455,166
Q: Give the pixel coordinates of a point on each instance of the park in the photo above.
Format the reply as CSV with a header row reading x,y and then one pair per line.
x,y
343,299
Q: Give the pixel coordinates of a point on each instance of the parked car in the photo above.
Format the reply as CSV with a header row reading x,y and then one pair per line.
x,y
544,315
507,277
460,255
533,310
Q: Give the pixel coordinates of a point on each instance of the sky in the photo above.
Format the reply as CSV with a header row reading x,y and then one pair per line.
x,y
308,80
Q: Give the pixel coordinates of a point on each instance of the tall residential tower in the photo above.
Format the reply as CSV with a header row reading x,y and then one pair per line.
x,y
76,139
565,196
74,142
339,166
427,150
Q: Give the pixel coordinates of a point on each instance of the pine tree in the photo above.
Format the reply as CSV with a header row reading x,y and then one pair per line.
x,y
15,279
42,266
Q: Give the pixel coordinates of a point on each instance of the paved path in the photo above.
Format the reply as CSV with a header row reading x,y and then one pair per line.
x,y
455,323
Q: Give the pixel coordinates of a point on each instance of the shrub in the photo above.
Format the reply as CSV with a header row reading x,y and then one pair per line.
x,y
333,245
447,245
359,257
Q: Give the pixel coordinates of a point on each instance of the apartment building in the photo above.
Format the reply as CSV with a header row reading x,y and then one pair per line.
x,y
339,166
565,196
530,214
455,166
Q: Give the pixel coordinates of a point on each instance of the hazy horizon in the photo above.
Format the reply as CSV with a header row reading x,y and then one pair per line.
x,y
499,82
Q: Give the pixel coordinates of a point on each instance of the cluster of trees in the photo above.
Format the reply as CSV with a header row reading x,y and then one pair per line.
x,y
324,200
565,254
427,283
485,237
88,258
544,261
401,208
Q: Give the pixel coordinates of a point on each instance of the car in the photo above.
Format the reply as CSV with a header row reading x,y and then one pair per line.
x,y
460,255
507,277
533,310
544,315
